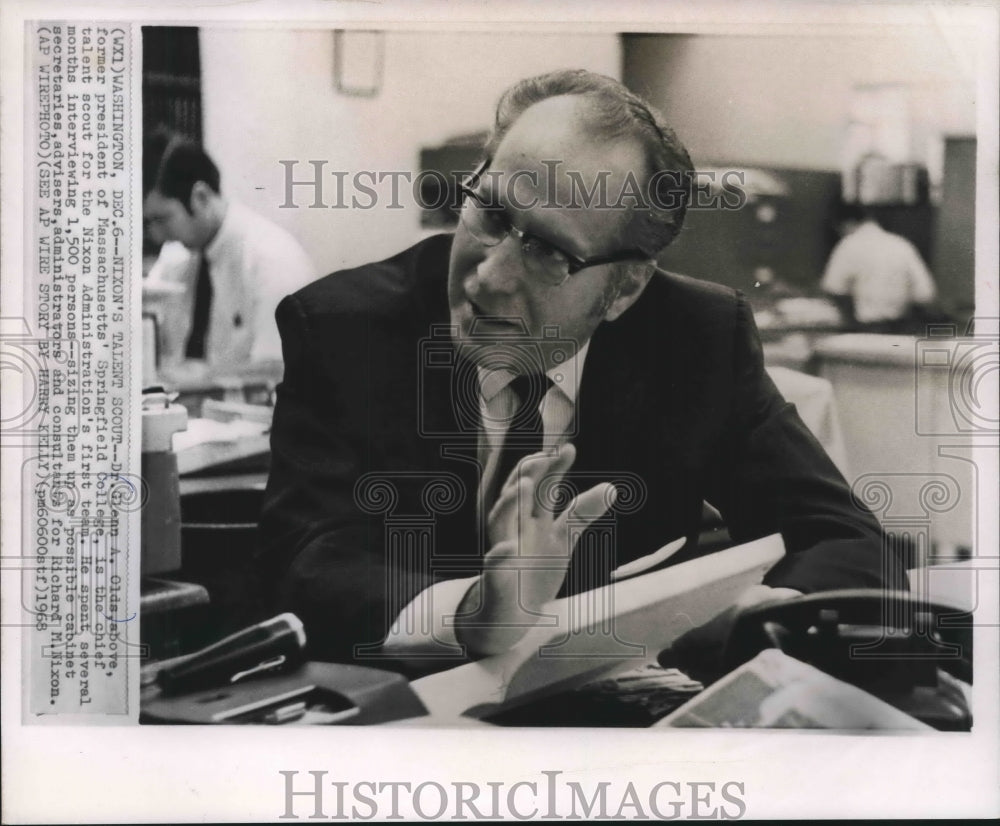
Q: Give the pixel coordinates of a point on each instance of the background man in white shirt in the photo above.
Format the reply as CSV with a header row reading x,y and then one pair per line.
x,y
880,274
238,266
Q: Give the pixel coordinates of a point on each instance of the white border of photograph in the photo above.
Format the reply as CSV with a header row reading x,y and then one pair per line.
x,y
58,773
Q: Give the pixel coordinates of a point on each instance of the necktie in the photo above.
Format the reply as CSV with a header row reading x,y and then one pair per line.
x,y
202,312
524,436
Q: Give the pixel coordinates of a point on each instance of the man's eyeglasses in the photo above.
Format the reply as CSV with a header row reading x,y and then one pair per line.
x,y
490,225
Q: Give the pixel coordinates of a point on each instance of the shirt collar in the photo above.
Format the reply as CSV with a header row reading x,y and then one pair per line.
x,y
226,235
565,377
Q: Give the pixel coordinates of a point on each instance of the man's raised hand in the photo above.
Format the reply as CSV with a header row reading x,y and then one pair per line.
x,y
530,551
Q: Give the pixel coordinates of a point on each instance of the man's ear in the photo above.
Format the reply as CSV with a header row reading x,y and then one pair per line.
x,y
201,197
630,288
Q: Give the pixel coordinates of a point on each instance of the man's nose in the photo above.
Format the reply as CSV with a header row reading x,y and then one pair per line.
x,y
501,268
156,233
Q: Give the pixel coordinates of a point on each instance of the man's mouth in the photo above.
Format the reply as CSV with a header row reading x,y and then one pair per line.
x,y
483,319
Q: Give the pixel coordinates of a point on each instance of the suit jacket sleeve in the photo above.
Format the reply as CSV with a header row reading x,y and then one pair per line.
x,y
323,554
774,476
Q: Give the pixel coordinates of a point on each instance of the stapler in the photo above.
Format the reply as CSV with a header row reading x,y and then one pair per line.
x,y
259,675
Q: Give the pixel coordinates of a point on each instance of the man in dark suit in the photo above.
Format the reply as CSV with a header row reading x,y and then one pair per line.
x,y
541,327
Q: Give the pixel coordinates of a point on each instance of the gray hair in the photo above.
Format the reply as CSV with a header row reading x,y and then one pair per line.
x,y
615,112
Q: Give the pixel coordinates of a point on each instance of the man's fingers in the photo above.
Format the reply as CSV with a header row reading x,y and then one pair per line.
x,y
546,463
535,468
563,459
506,499
591,504
504,518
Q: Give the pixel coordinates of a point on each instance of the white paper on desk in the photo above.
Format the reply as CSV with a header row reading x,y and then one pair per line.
x,y
602,631
208,431
207,442
774,690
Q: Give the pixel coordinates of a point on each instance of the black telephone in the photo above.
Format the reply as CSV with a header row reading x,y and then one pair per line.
x,y
890,643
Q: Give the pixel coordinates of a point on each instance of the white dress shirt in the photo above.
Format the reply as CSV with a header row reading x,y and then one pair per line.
x,y
881,270
253,265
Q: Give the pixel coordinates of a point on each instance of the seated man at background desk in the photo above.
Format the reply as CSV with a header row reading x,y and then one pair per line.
x,y
877,277
560,332
237,268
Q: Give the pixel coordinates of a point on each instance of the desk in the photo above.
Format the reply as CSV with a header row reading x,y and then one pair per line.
x,y
910,426
212,593
223,483
790,326
641,695
194,384
218,545
952,583
638,696
169,610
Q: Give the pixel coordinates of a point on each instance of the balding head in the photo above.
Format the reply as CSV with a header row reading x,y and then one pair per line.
x,y
606,112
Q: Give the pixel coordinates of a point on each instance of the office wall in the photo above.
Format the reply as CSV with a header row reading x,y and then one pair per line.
x,y
785,101
269,95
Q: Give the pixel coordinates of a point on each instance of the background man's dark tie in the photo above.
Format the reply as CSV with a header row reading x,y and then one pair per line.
x,y
525,434
202,312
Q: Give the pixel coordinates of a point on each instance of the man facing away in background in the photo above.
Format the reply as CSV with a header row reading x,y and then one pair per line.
x,y
232,266
563,340
879,276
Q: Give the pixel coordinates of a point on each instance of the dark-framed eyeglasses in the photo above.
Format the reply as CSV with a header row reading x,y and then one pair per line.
x,y
490,224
